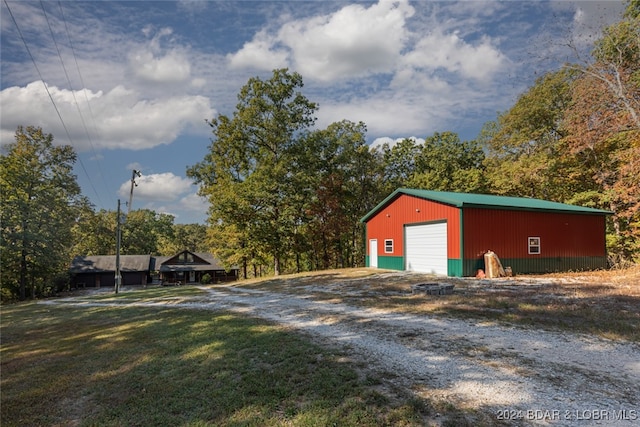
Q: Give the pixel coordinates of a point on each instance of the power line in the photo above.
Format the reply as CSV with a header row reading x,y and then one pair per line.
x,y
50,97
84,86
72,92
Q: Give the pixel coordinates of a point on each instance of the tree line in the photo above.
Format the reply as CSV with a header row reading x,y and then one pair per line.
x,y
288,197
46,221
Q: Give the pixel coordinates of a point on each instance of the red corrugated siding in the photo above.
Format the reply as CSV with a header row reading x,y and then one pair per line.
x,y
505,232
389,221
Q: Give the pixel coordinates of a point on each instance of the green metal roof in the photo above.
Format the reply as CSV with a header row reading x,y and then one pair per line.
x,y
470,200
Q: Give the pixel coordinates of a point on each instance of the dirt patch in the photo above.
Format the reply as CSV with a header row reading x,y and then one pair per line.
x,y
603,304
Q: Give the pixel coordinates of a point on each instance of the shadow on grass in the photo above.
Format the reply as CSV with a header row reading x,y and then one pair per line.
x,y
608,316
65,365
290,280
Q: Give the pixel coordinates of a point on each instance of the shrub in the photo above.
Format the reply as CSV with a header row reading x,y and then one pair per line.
x,y
7,295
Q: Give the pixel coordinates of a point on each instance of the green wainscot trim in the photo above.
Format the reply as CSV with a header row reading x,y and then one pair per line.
x,y
540,265
454,267
391,262
470,267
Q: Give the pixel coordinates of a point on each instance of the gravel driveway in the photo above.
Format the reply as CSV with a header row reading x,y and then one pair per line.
x,y
521,376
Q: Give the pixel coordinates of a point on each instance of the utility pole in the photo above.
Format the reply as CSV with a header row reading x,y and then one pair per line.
x,y
118,237
119,228
133,184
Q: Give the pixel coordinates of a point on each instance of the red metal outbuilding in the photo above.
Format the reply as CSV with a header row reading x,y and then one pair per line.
x,y
449,233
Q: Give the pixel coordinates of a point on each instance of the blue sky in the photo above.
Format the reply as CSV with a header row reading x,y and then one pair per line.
x,y
135,81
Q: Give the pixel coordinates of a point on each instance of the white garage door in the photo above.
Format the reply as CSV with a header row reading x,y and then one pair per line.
x,y
426,248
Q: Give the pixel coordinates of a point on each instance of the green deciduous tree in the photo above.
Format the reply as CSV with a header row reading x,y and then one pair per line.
x,y
442,163
143,231
246,175
40,203
192,237
398,163
445,163
339,181
94,233
525,147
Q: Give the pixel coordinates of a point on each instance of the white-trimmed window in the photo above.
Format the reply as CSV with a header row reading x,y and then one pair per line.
x,y
534,245
388,246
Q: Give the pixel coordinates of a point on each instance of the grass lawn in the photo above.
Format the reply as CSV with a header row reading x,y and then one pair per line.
x,y
95,366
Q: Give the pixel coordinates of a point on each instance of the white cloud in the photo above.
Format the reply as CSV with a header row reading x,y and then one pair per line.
x,y
357,41
119,118
382,116
261,53
194,203
160,187
189,209
394,76
452,53
198,83
170,68
168,194
378,142
416,82
408,79
159,64
416,108
354,41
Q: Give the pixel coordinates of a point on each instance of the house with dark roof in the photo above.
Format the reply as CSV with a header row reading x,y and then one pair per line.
x,y
100,270
185,267
448,233
190,267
